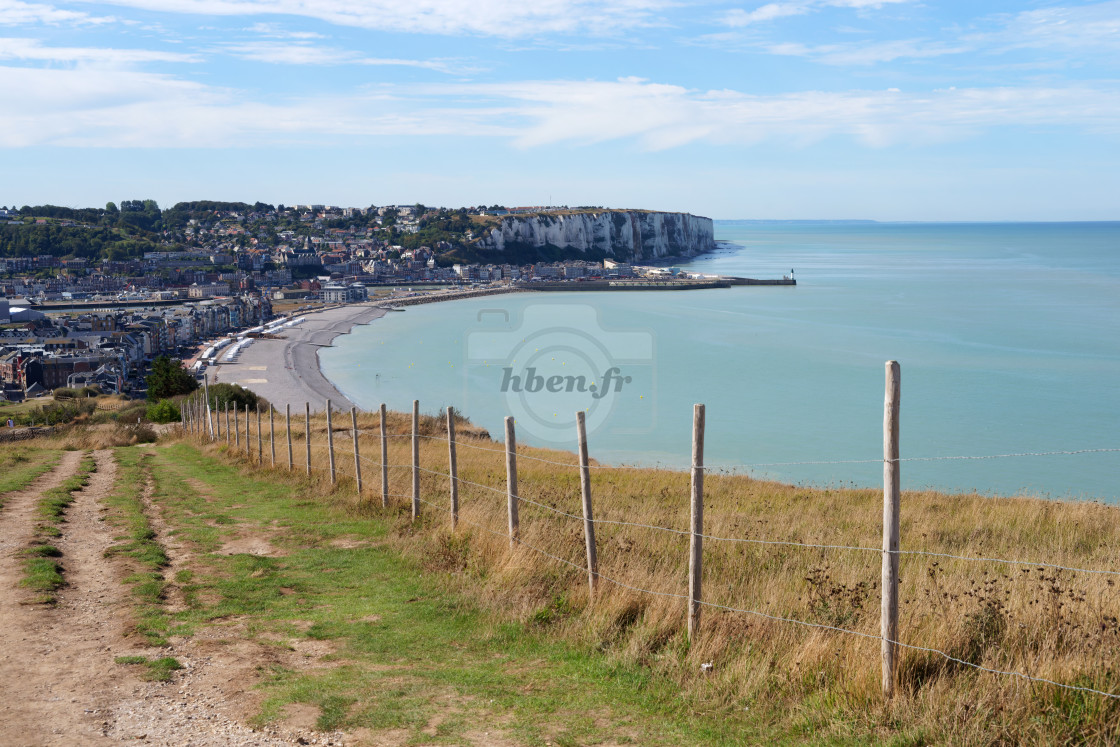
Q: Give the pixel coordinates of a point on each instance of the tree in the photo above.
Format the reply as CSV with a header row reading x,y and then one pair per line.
x,y
169,378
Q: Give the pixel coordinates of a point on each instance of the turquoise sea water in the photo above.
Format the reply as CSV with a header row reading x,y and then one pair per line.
x,y
1008,336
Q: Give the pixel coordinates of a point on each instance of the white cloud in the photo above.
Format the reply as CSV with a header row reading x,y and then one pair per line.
x,y
33,50
1075,28
739,18
120,108
503,18
18,13
302,53
867,53
274,31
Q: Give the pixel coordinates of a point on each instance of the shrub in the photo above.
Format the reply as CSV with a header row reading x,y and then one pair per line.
x,y
220,394
163,411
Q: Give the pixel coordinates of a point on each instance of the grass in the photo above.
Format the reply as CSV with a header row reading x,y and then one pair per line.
x,y
138,543
372,639
42,573
155,670
22,465
407,625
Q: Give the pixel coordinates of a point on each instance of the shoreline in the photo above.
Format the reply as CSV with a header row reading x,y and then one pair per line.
x,y
286,371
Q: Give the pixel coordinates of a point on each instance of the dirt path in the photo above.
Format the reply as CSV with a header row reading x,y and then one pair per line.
x,y
59,683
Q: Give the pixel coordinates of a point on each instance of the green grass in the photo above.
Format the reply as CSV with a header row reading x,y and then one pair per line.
x,y
402,650
54,502
155,670
41,573
21,465
138,543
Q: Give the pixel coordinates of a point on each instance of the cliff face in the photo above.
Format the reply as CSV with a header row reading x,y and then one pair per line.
x,y
629,235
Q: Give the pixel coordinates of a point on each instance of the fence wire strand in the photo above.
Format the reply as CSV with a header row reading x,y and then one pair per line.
x,y
756,613
795,621
748,540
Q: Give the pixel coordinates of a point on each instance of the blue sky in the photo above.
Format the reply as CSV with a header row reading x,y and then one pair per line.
x,y
883,109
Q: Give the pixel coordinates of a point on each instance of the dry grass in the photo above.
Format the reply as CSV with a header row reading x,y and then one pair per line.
x,y
86,437
1047,623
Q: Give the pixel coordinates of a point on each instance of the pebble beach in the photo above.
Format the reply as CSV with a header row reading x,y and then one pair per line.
x,y
285,371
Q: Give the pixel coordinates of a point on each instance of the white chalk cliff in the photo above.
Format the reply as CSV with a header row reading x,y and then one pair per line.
x,y
625,234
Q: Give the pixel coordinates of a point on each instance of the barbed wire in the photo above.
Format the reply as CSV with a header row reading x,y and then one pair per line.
x,y
757,541
764,615
811,462
795,621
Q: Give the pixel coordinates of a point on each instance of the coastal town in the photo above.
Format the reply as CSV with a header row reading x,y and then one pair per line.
x,y
89,297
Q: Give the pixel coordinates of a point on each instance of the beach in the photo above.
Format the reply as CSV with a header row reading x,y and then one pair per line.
x,y
285,371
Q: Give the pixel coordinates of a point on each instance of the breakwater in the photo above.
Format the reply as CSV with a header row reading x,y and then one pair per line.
x,y
436,297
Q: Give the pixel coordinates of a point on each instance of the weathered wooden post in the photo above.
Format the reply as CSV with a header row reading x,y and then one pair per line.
x,y
453,467
307,434
288,427
357,457
248,445
272,432
236,428
511,483
330,443
696,539
206,391
415,459
260,436
585,492
227,423
892,499
384,459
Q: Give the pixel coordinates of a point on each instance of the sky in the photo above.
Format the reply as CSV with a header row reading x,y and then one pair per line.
x,y
793,109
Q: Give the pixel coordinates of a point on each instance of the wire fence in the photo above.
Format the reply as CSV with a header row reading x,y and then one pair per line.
x,y
204,426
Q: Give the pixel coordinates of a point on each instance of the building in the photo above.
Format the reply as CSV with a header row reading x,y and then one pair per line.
x,y
338,293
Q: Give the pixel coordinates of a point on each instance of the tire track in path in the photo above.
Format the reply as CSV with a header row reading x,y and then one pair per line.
x,y
59,682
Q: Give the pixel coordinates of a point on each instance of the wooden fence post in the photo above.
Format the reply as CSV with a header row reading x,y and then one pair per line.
x,y
453,467
218,421
357,456
384,460
585,492
227,424
511,483
236,427
415,459
288,426
272,432
696,540
892,484
307,433
330,443
260,436
248,445
206,391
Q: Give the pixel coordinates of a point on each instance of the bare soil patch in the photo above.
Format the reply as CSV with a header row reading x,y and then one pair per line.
x,y
59,681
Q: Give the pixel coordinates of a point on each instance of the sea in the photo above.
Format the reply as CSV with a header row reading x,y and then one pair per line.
x,y
1007,336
